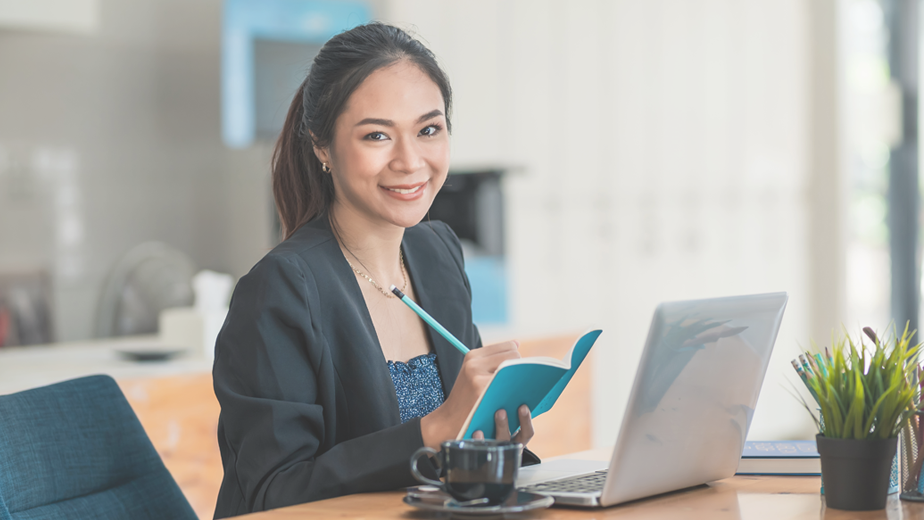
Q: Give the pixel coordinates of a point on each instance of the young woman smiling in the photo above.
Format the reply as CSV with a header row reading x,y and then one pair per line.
x,y
327,382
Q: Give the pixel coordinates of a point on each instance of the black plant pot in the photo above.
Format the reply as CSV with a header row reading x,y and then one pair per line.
x,y
856,472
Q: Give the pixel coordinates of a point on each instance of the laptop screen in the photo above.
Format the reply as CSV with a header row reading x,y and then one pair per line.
x,y
694,394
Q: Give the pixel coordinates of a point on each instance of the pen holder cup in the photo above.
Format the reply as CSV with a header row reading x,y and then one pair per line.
x,y
911,448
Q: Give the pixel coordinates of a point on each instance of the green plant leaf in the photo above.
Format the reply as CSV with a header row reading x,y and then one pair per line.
x,y
866,390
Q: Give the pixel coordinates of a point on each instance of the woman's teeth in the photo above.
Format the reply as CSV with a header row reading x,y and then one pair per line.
x,y
404,192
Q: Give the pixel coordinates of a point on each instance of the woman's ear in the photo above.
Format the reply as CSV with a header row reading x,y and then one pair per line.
x,y
322,154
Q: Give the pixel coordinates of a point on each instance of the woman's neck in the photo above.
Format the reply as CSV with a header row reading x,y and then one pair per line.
x,y
372,246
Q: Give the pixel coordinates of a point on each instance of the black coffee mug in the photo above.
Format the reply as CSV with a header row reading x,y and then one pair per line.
x,y
474,469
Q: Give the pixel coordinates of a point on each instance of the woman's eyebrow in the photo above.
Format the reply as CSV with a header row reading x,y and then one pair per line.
x,y
375,121
430,115
388,122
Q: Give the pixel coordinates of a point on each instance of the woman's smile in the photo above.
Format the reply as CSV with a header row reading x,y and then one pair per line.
x,y
406,191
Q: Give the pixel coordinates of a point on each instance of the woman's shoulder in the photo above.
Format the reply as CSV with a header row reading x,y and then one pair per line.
x,y
312,238
311,248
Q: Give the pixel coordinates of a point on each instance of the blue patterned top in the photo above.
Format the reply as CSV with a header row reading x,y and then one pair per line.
x,y
417,385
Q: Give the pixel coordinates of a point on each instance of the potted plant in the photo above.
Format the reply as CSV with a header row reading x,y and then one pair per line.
x,y
866,393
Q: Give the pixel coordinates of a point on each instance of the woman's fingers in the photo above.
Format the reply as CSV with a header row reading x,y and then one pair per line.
x,y
505,350
502,426
480,365
505,346
526,426
502,430
487,362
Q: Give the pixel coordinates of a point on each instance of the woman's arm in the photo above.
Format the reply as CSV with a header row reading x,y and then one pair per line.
x,y
281,419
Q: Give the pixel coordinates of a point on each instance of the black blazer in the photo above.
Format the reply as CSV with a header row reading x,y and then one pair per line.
x,y
308,408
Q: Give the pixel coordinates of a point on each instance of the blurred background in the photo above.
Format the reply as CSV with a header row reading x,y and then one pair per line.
x,y
607,155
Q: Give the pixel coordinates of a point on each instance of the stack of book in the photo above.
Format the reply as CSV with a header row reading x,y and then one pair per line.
x,y
779,458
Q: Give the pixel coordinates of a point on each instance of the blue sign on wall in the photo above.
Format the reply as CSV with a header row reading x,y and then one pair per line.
x,y
487,276
308,21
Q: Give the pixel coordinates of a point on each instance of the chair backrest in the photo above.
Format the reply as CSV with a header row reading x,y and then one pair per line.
x,y
76,450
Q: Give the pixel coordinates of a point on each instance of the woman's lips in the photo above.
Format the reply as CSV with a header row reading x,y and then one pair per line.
x,y
405,192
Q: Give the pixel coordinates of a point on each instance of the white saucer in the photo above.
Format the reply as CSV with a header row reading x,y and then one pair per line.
x,y
149,352
432,499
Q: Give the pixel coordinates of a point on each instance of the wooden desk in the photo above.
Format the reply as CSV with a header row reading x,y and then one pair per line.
x,y
746,498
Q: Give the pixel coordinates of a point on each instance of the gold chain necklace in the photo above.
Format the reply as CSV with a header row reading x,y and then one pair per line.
x,y
377,286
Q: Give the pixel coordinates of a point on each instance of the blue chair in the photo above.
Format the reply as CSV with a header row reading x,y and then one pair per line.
x,y
76,450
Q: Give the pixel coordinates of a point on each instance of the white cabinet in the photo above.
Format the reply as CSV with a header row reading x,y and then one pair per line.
x,y
73,16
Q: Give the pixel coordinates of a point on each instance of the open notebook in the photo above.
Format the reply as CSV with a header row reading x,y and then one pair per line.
x,y
534,381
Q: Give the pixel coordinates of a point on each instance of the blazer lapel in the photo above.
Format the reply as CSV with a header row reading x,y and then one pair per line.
x,y
429,285
368,359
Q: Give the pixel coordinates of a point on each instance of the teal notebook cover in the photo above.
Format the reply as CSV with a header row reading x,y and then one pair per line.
x,y
536,382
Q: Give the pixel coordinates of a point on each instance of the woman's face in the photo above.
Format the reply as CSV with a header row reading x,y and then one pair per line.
x,y
390,152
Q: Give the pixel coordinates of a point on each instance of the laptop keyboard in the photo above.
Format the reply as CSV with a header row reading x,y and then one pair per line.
x,y
589,483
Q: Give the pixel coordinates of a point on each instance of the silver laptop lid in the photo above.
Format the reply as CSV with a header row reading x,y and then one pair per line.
x,y
694,394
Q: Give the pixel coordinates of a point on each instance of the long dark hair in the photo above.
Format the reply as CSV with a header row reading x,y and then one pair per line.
x,y
301,189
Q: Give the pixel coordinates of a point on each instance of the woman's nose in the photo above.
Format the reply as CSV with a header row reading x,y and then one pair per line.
x,y
407,158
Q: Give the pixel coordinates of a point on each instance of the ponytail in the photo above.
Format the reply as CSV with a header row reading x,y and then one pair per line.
x,y
301,189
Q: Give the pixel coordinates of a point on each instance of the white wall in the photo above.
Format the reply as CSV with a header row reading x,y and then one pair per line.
x,y
661,154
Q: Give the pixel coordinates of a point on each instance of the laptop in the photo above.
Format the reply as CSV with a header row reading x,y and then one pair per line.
x,y
690,406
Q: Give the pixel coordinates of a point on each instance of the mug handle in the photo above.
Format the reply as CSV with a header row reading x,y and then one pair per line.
x,y
415,457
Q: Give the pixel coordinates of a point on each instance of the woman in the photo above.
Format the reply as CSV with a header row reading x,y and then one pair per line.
x,y
327,382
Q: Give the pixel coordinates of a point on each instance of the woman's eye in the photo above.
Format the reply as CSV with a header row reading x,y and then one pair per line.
x,y
376,136
430,130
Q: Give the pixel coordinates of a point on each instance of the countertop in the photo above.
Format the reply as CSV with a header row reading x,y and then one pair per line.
x,y
31,366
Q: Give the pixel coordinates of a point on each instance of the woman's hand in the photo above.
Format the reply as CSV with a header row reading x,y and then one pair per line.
x,y
503,429
478,368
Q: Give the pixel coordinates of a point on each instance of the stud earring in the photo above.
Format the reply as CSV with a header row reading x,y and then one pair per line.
x,y
325,168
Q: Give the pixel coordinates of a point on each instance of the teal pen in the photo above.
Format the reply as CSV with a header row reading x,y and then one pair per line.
x,y
795,364
824,369
430,321
805,365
